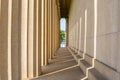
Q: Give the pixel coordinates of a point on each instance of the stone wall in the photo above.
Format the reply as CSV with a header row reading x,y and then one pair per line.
x,y
96,22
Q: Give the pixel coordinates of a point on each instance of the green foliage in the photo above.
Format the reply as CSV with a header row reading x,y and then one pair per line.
x,y
62,35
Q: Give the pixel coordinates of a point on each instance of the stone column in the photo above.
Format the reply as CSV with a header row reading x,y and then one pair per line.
x,y
30,37
50,29
5,36
35,63
35,54
43,32
46,33
39,26
67,31
53,27
15,42
23,34
54,34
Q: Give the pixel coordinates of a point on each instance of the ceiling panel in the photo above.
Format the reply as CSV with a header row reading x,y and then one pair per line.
x,y
64,7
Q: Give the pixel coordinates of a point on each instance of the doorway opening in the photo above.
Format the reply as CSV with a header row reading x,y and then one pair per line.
x,y
62,32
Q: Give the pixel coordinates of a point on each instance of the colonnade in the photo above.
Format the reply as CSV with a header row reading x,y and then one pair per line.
x,y
29,37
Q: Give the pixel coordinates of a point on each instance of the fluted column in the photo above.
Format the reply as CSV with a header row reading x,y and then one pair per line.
x,y
15,42
35,55
39,36
46,33
50,29
30,37
23,34
43,32
53,29
5,36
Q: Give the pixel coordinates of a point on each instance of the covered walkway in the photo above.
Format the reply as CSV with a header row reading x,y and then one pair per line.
x,y
30,40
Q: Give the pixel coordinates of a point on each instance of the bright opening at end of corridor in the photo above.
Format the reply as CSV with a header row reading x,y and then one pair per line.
x,y
63,32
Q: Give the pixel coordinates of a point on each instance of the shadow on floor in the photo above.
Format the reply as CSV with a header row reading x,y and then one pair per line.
x,y
61,67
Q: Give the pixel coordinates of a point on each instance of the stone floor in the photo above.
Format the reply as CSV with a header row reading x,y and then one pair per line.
x,y
61,67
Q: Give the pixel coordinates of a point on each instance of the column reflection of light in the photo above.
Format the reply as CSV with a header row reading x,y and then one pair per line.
x,y
42,32
9,37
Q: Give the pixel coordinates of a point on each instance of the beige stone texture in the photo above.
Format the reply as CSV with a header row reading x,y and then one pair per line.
x,y
5,49
74,19
39,36
35,41
107,32
107,49
90,28
30,37
15,46
107,71
24,19
105,45
90,46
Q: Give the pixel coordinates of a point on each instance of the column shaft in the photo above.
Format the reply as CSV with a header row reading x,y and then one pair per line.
x,y
24,21
48,41
39,36
5,49
15,42
42,32
30,37
46,33
50,29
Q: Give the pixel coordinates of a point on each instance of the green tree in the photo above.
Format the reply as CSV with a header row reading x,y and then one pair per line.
x,y
62,35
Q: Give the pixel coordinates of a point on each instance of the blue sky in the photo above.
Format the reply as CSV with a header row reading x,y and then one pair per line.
x,y
63,24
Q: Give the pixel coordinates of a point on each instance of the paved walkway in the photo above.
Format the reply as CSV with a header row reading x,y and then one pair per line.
x,y
61,67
